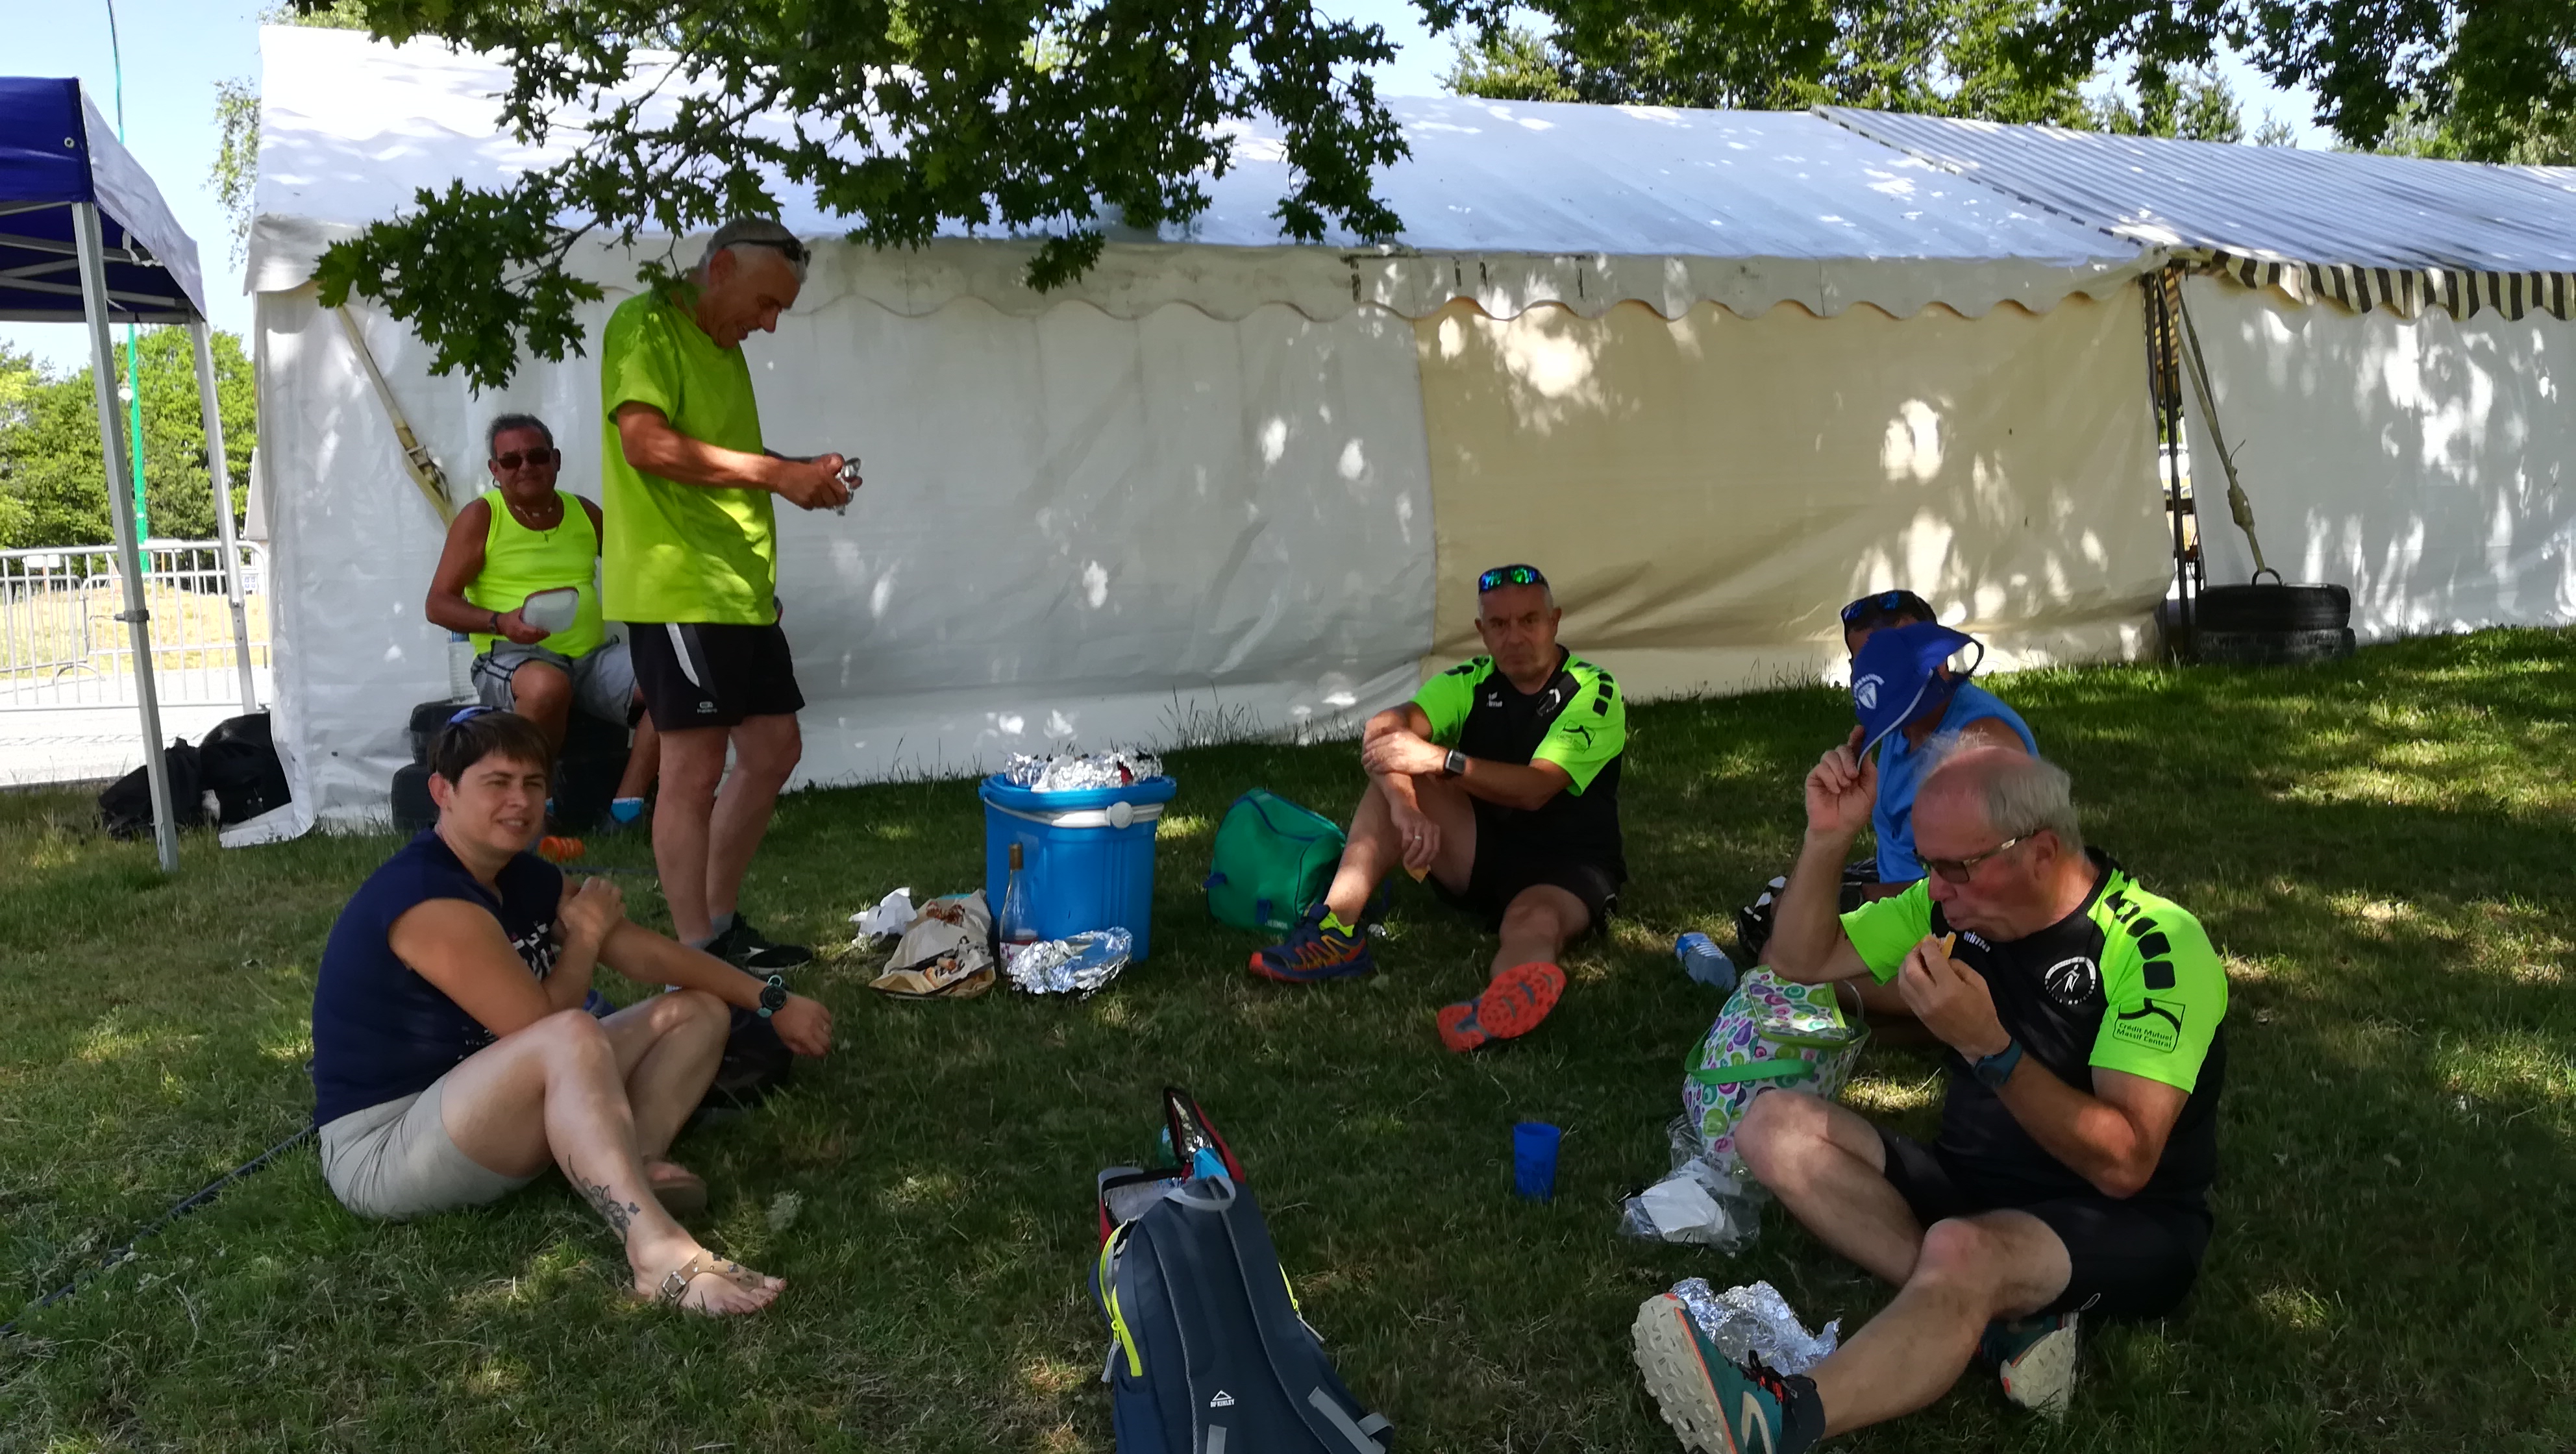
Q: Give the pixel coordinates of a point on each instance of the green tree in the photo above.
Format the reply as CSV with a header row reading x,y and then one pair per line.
x,y
53,476
2501,74
1046,118
2195,105
1945,57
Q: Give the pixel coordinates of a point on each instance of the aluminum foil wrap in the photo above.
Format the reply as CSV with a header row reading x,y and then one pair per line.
x,y
1755,1322
1078,965
1071,772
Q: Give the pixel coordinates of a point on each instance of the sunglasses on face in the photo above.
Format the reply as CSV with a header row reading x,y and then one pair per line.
x,y
1883,605
1960,870
1509,575
536,459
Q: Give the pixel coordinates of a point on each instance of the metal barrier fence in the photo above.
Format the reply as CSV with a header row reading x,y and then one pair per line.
x,y
61,644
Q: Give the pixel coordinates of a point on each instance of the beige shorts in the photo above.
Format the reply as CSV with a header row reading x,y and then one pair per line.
x,y
395,1160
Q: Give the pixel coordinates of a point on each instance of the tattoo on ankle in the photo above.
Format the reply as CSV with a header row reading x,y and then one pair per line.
x,y
619,1215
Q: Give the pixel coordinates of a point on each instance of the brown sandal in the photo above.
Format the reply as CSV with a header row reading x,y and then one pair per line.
x,y
681,1195
675,1283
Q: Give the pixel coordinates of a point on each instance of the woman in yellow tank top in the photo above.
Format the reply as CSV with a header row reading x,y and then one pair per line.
x,y
521,539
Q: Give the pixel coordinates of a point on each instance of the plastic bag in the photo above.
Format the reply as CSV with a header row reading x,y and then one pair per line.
x,y
1703,1202
886,919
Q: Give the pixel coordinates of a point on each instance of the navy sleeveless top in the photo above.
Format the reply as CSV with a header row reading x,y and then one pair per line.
x,y
380,1031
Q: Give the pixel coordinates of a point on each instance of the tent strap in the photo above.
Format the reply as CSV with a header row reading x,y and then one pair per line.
x,y
417,460
2238,505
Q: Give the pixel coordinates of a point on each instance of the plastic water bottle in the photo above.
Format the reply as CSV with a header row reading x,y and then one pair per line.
x,y
1702,960
460,667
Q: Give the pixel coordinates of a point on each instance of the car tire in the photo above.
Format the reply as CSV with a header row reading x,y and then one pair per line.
x,y
2273,607
2273,648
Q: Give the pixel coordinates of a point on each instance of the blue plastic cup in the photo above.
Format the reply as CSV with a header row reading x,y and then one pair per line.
x,y
1534,1160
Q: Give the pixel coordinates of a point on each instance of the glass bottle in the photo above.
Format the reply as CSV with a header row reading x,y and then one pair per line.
x,y
1019,922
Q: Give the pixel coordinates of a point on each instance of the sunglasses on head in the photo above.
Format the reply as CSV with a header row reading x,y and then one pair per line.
x,y
1884,604
1509,575
1960,870
468,714
534,458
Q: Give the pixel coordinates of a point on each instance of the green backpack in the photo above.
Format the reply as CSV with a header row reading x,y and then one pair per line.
x,y
1273,859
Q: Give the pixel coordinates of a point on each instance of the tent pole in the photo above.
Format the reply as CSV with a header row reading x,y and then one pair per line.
x,y
111,438
221,478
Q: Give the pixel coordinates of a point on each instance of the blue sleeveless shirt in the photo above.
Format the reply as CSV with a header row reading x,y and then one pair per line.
x,y
380,1031
1900,772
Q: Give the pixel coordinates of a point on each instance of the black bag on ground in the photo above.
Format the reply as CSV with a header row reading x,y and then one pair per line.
x,y
237,762
1754,921
125,809
1208,1351
756,1062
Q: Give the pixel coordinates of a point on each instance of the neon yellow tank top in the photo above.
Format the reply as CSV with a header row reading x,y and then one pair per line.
x,y
519,562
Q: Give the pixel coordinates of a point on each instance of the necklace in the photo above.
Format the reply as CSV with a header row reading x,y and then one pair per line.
x,y
529,520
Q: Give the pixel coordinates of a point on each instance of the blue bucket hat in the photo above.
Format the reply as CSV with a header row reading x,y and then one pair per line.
x,y
1897,677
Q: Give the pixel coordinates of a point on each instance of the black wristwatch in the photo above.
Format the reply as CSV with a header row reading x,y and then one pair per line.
x,y
1454,765
773,996
1993,1070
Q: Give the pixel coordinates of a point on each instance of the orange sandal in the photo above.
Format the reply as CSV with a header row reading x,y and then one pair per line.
x,y
1510,1007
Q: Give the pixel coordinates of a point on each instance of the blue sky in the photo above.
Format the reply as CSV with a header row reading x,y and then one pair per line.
x,y
176,50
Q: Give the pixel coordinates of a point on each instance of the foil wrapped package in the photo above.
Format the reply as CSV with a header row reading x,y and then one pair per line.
x,y
1073,772
1756,1322
1079,965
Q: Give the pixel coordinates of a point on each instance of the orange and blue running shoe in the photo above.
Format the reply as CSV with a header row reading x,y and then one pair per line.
x,y
1315,951
1512,1005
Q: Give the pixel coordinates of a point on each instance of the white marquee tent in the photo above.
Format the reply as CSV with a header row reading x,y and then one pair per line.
x,y
1714,372
2390,342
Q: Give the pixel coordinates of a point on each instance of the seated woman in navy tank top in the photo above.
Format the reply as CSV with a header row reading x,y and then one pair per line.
x,y
453,1061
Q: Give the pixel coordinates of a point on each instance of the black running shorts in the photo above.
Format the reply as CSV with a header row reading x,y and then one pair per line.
x,y
2132,1258
702,674
1507,864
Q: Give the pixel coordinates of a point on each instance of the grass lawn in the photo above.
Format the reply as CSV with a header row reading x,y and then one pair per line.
x,y
2381,847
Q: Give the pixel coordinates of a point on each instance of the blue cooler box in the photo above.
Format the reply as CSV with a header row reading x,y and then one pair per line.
x,y
1088,857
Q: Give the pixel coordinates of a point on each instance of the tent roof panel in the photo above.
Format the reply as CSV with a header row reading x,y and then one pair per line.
x,y
2279,204
1746,208
56,150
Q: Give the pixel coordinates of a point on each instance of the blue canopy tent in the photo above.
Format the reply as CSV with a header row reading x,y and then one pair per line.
x,y
85,236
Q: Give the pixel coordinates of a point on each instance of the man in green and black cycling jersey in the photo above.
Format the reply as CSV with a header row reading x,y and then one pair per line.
x,y
2079,1130
1499,783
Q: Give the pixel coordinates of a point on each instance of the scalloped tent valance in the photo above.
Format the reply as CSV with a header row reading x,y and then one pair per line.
x,y
1507,205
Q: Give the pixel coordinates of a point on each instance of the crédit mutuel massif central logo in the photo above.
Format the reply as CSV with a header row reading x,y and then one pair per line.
x,y
1865,692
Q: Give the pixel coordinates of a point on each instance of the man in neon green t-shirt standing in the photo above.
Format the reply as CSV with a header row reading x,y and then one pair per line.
x,y
691,564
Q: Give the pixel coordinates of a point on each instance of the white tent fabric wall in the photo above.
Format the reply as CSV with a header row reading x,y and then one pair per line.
x,y
1192,491
2424,462
1075,528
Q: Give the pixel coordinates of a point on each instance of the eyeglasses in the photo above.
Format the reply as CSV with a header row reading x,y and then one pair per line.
x,y
1509,575
536,459
1959,870
1885,604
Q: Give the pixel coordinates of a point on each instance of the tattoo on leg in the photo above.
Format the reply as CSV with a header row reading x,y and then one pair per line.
x,y
619,1215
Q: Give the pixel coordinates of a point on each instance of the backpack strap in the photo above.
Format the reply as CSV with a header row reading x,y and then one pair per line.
x,y
1349,1428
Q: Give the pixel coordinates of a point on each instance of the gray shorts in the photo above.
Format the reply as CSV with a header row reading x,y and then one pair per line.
x,y
603,682
395,1160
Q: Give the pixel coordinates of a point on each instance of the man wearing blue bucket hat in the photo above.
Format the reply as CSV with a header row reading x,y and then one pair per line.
x,y
1499,784
1905,694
